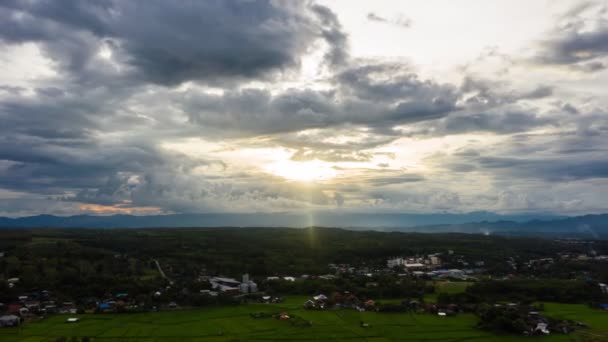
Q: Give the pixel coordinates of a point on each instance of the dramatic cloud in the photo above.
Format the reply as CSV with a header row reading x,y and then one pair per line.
x,y
580,40
274,106
169,44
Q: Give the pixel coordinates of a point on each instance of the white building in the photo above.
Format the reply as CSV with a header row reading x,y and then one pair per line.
x,y
435,261
248,286
415,265
9,321
396,262
224,284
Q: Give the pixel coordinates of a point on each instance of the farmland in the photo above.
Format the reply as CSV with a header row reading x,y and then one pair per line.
x,y
234,323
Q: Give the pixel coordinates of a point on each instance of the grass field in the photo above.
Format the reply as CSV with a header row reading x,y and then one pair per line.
x,y
235,324
447,286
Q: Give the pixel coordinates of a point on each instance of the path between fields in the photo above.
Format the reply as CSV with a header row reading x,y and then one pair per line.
x,y
162,273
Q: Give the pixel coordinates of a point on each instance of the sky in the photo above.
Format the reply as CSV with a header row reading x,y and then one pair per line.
x,y
155,107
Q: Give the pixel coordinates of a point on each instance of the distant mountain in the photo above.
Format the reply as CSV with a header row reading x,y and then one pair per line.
x,y
379,221
588,226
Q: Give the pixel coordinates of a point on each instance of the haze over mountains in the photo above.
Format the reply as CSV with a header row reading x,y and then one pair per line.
x,y
476,222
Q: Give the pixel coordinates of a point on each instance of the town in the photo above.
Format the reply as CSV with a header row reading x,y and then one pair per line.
x,y
440,282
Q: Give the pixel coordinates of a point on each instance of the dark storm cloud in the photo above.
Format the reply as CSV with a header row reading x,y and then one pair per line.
x,y
169,44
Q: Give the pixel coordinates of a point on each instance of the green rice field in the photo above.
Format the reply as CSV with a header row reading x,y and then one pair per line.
x,y
235,324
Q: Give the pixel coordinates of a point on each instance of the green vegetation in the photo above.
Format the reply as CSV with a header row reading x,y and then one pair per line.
x,y
234,323
448,287
87,267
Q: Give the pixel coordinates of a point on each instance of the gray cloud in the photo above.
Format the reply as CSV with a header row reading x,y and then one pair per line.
x,y
93,133
331,155
579,41
360,99
168,44
399,21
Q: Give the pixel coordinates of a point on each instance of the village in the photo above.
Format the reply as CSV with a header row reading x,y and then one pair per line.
x,y
362,287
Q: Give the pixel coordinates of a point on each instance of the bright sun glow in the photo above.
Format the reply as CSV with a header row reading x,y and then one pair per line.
x,y
307,171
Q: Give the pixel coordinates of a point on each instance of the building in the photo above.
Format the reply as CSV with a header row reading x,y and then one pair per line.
x,y
248,286
414,266
435,261
12,282
396,262
9,321
225,284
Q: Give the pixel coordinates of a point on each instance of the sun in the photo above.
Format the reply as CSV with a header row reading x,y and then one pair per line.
x,y
303,171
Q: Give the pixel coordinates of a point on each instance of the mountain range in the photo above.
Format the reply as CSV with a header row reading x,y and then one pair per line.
x,y
594,226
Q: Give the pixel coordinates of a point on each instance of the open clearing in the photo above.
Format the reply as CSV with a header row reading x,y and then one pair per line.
x,y
235,324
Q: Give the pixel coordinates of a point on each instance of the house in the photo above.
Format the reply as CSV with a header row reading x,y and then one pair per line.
x,y
105,306
33,305
328,277
320,298
9,321
541,328
50,308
